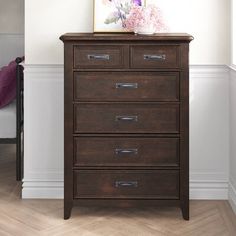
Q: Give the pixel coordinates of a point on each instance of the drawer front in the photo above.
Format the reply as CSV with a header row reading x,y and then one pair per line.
x,y
119,151
99,56
126,118
105,86
154,56
158,184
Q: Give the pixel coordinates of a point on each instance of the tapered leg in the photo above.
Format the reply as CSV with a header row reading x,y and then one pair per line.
x,y
67,210
185,210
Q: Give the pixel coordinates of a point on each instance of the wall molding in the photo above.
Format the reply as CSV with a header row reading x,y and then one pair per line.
x,y
212,71
209,190
232,67
48,182
209,71
232,71
44,70
41,189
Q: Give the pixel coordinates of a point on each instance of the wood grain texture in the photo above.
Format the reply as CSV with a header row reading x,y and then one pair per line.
x,y
184,131
97,56
44,217
68,131
160,37
154,56
127,184
102,107
114,118
129,86
126,152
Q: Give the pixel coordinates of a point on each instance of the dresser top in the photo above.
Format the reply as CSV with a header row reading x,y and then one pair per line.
x,y
126,37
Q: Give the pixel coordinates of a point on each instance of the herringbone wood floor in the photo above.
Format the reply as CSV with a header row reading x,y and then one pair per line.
x,y
44,217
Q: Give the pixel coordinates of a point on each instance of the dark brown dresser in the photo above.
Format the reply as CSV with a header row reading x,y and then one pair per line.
x,y
126,120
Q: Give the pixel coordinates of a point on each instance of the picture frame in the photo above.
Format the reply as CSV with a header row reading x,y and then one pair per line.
x,y
109,15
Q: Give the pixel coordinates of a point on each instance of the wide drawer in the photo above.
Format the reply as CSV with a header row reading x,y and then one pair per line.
x,y
133,86
154,56
125,151
99,56
158,184
126,118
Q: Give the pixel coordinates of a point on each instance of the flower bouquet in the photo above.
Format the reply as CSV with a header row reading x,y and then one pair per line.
x,y
127,16
145,20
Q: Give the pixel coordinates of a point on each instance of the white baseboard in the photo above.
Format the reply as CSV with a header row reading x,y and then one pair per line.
x,y
232,196
43,190
54,190
209,190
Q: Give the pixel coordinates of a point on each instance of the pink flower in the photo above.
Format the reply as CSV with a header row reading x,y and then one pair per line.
x,y
141,17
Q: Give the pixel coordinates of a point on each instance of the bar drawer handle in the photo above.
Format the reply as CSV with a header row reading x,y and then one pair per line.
x,y
127,118
127,85
160,57
133,184
102,57
120,151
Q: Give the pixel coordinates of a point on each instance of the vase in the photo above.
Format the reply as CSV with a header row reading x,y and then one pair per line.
x,y
145,30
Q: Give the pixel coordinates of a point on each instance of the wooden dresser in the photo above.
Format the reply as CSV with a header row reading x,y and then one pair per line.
x,y
126,120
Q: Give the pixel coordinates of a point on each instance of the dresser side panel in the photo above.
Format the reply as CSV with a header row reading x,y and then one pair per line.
x,y
68,130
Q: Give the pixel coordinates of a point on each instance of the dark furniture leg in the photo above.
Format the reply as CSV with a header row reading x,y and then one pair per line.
x,y
19,120
185,210
67,210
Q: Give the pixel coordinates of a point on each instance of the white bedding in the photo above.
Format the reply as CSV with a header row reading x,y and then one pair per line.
x,y
8,121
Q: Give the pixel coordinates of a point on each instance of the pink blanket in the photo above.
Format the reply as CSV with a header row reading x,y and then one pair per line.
x,y
7,84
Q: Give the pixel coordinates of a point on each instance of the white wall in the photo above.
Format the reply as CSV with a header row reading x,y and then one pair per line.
x,y
11,30
12,16
47,20
233,33
207,21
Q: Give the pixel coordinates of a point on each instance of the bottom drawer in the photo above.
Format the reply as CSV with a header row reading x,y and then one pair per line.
x,y
128,184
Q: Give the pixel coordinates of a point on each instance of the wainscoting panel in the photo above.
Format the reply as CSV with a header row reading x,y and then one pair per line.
x,y
43,167
209,132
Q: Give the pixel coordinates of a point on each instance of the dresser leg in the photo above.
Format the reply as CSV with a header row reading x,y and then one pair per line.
x,y
185,211
67,211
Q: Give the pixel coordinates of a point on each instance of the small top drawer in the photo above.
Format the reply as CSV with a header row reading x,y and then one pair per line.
x,y
154,56
99,56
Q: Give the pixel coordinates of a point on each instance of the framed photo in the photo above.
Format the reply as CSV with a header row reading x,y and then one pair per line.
x,y
110,15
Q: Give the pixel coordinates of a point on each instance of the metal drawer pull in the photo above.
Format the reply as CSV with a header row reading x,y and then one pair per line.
x,y
133,184
126,151
160,57
127,85
127,118
104,57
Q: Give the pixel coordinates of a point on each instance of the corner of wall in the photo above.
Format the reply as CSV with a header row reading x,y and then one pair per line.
x,y
232,195
232,172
